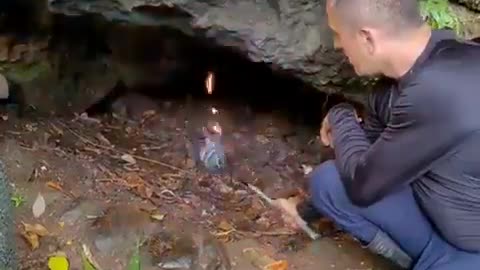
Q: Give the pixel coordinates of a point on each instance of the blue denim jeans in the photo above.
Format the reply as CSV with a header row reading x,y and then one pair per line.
x,y
398,215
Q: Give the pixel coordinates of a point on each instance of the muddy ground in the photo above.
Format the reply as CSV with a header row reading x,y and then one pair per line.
x,y
109,181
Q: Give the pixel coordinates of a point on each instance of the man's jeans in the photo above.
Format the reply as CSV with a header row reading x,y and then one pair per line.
x,y
397,215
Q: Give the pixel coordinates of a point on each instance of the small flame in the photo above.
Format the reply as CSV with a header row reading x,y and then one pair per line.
x,y
209,83
214,111
217,129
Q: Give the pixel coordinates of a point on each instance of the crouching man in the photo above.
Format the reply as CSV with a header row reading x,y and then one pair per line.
x,y
406,182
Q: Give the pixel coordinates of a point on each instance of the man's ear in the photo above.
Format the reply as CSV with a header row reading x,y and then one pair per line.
x,y
366,37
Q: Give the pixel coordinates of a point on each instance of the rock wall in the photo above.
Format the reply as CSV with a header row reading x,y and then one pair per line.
x,y
292,36
55,69
52,73
472,4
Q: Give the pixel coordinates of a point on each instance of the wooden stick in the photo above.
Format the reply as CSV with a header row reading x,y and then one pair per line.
x,y
303,225
109,148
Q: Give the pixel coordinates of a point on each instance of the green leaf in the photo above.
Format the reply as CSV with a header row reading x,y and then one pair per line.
x,y
86,264
17,200
134,263
439,15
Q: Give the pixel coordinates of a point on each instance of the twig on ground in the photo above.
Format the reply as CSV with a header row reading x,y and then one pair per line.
x,y
172,196
274,233
109,148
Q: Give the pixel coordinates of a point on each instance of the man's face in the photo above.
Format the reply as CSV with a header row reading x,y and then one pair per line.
x,y
359,45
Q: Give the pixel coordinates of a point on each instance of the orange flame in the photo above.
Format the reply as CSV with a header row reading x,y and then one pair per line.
x,y
209,82
217,128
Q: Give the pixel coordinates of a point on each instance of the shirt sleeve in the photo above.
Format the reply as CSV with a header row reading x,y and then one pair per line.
x,y
377,108
420,131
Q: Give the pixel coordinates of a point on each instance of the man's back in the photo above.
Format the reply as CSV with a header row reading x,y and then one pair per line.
x,y
450,191
448,89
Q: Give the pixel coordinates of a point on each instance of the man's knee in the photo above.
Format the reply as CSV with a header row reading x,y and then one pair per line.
x,y
325,183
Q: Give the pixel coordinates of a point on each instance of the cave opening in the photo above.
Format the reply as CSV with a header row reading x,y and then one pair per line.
x,y
162,63
270,118
175,67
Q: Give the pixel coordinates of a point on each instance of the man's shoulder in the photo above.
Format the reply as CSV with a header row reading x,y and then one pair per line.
x,y
452,64
447,83
450,53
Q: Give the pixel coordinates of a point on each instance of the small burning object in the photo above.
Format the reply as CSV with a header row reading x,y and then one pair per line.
x,y
209,149
212,152
209,83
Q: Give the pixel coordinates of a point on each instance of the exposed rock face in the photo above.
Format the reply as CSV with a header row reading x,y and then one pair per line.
x,y
470,20
61,73
472,4
292,36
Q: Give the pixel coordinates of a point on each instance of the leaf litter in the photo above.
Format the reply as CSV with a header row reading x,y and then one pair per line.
x,y
38,207
165,189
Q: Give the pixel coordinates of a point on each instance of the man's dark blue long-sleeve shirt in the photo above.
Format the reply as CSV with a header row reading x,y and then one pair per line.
x,y
424,131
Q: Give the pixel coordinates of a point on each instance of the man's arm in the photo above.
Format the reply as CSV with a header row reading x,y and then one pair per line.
x,y
420,131
377,110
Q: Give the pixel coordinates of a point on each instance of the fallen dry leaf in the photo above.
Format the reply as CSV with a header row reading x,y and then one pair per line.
x,y
261,139
158,217
57,130
32,239
128,158
54,185
32,234
102,139
261,260
38,207
133,180
38,229
225,226
148,192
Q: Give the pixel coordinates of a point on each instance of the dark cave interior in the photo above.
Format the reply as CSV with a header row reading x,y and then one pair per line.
x,y
177,63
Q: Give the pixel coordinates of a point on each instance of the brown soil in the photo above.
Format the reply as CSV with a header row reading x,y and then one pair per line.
x,y
107,181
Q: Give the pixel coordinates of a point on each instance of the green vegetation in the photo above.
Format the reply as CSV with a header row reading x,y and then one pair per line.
x,y
17,199
439,15
22,72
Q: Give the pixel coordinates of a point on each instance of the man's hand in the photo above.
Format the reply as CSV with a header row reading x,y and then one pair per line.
x,y
326,133
290,215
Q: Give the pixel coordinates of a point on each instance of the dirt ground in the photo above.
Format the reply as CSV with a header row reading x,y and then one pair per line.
x,y
108,182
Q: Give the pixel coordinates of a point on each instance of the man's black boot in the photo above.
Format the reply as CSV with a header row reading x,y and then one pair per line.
x,y
383,245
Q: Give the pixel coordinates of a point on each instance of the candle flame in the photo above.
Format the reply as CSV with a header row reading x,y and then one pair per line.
x,y
214,111
209,83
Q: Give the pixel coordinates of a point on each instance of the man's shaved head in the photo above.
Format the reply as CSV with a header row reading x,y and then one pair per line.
x,y
391,15
372,32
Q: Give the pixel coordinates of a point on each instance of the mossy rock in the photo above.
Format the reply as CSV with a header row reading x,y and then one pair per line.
x,y
471,4
23,72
